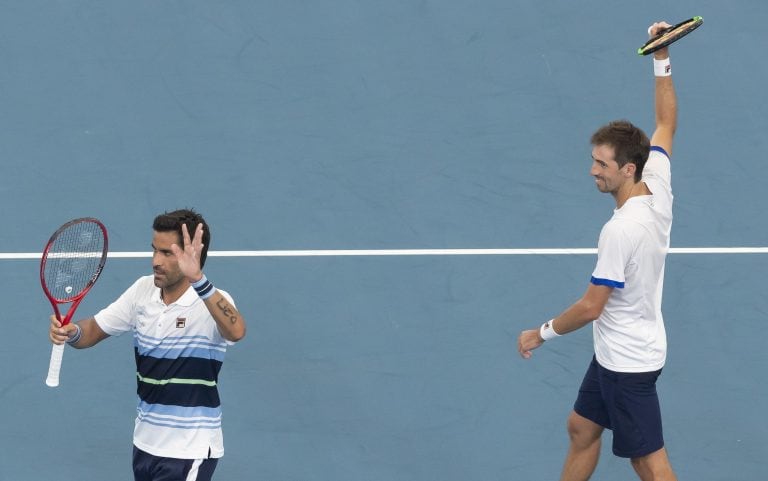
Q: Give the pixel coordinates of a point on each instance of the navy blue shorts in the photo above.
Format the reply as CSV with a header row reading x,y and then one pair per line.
x,y
625,403
147,467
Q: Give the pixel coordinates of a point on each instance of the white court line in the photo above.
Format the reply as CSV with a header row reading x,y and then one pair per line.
x,y
413,252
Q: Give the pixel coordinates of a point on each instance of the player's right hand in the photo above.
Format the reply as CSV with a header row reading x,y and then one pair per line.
x,y
59,334
528,341
657,27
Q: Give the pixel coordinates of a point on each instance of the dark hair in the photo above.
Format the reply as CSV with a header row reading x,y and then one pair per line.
x,y
172,222
630,144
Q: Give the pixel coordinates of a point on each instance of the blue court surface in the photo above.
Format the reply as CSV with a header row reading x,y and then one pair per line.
x,y
363,125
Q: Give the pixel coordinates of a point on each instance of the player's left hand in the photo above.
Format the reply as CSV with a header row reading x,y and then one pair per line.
x,y
189,257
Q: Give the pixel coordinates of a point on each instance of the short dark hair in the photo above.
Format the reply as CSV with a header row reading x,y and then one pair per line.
x,y
172,222
630,144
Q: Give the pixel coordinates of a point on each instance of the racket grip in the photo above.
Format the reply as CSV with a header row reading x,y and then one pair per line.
x,y
54,368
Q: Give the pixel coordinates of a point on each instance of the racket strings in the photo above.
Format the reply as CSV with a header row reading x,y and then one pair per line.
x,y
674,32
671,35
74,259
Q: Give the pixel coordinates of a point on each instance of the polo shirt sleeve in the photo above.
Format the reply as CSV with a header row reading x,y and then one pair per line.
x,y
657,174
614,250
120,316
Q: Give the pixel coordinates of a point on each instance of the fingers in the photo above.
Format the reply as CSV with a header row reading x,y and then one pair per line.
x,y
193,246
524,353
197,242
527,342
188,255
522,347
657,27
59,334
185,235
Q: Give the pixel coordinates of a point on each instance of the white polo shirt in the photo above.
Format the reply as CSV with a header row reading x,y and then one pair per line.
x,y
179,352
629,335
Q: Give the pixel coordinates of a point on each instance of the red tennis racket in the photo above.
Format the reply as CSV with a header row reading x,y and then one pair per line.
x,y
72,262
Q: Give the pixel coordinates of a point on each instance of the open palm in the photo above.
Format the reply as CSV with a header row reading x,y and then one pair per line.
x,y
189,256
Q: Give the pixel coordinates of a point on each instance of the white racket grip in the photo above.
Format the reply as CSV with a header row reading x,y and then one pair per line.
x,y
54,368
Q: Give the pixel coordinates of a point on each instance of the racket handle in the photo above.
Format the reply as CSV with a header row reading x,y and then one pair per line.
x,y
54,368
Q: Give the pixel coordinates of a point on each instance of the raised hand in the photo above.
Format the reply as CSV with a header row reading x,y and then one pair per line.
x,y
189,256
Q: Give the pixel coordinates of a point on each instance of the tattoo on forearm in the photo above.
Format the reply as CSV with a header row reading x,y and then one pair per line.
x,y
227,310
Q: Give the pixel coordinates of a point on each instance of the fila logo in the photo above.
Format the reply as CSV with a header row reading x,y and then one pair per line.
x,y
181,322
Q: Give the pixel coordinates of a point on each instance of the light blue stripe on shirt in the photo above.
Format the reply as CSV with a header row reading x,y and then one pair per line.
x,y
176,347
179,416
168,423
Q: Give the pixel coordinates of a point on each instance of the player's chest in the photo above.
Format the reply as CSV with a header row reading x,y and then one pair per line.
x,y
158,320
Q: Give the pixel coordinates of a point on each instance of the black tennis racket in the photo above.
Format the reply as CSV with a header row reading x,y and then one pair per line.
x,y
72,262
670,35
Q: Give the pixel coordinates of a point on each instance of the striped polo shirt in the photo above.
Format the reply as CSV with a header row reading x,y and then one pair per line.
x,y
179,352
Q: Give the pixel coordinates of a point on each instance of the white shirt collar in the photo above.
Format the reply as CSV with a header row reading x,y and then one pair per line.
x,y
187,299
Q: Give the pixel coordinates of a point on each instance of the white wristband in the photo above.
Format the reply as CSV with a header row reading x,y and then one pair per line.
x,y
547,331
662,68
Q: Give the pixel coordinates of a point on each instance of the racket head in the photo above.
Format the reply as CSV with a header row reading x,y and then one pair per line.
x,y
670,35
73,260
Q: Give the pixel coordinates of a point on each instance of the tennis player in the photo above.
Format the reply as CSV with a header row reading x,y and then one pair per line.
x,y
624,296
181,328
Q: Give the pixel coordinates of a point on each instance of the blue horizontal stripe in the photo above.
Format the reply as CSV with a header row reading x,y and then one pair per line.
x,y
659,149
182,352
173,394
176,425
178,411
606,282
179,417
180,422
178,347
174,339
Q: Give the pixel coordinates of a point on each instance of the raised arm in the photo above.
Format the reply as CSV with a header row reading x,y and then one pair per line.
x,y
228,319
665,99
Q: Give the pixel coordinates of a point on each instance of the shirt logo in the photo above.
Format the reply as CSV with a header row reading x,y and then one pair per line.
x,y
181,322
